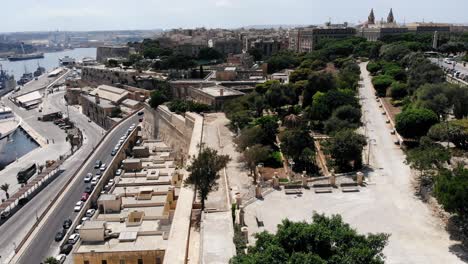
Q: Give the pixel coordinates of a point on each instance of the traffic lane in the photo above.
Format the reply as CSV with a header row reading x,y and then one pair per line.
x,y
18,225
44,245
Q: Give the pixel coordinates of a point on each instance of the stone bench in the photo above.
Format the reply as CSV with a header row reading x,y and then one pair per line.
x,y
323,190
350,189
292,191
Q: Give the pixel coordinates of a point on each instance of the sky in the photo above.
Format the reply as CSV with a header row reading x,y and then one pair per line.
x,y
84,15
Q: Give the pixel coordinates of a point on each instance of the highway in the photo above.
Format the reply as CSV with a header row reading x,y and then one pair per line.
x,y
44,244
19,224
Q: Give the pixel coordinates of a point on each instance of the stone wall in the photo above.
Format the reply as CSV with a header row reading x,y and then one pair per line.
x,y
175,130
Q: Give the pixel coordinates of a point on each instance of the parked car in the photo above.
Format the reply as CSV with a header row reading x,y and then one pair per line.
x,y
60,235
78,206
73,238
61,258
84,219
4,215
88,189
141,113
113,152
118,172
123,138
77,228
67,223
90,212
88,177
66,249
103,167
84,196
97,164
98,173
94,181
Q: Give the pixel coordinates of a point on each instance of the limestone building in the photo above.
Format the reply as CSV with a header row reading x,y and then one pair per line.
x,y
373,31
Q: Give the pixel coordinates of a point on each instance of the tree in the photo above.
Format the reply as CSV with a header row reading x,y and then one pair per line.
x,y
253,155
345,148
455,131
427,157
281,61
414,123
204,171
293,142
381,83
325,240
317,82
249,136
349,113
116,112
51,260
269,126
323,104
209,54
394,52
398,90
373,67
256,53
5,187
450,190
157,98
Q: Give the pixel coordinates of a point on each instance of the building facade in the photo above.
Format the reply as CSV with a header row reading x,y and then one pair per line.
x,y
104,53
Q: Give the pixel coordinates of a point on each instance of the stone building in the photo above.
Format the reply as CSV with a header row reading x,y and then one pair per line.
x,y
215,96
305,39
227,45
373,31
104,53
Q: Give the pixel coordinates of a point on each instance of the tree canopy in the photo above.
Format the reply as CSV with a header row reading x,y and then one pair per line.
x,y
414,123
325,240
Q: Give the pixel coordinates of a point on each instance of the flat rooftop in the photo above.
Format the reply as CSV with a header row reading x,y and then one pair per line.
x,y
142,243
215,91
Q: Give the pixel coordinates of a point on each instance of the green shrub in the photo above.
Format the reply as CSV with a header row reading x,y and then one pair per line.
x,y
414,123
373,67
398,90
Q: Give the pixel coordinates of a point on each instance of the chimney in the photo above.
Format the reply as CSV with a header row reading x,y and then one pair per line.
x,y
221,92
96,97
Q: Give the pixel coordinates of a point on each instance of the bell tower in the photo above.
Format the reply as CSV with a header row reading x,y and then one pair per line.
x,y
390,18
371,18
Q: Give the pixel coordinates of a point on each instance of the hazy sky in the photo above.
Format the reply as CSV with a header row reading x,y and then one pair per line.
x,y
34,15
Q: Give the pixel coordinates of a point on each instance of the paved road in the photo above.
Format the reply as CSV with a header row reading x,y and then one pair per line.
x,y
417,236
44,244
458,67
18,225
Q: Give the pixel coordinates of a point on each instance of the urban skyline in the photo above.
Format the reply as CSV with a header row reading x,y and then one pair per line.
x,y
151,14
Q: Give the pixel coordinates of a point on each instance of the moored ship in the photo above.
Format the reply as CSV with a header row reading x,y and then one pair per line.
x,y
30,56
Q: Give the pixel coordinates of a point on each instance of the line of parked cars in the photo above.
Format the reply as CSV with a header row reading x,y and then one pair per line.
x,y
122,139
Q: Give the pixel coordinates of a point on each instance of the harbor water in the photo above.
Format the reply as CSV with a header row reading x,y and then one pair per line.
x,y
17,145
49,62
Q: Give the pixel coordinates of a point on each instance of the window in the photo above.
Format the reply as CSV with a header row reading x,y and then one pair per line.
x,y
86,262
158,260
140,261
104,262
122,261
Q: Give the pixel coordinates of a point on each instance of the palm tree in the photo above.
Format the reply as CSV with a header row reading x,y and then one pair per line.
x,y
51,260
5,188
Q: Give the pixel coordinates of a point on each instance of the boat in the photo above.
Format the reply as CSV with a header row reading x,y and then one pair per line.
x,y
27,77
8,125
67,61
30,56
39,71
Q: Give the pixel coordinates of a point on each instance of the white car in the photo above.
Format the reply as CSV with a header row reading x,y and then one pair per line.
x,y
94,182
121,141
103,167
84,219
90,212
72,239
88,177
118,172
78,206
123,138
78,227
61,258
